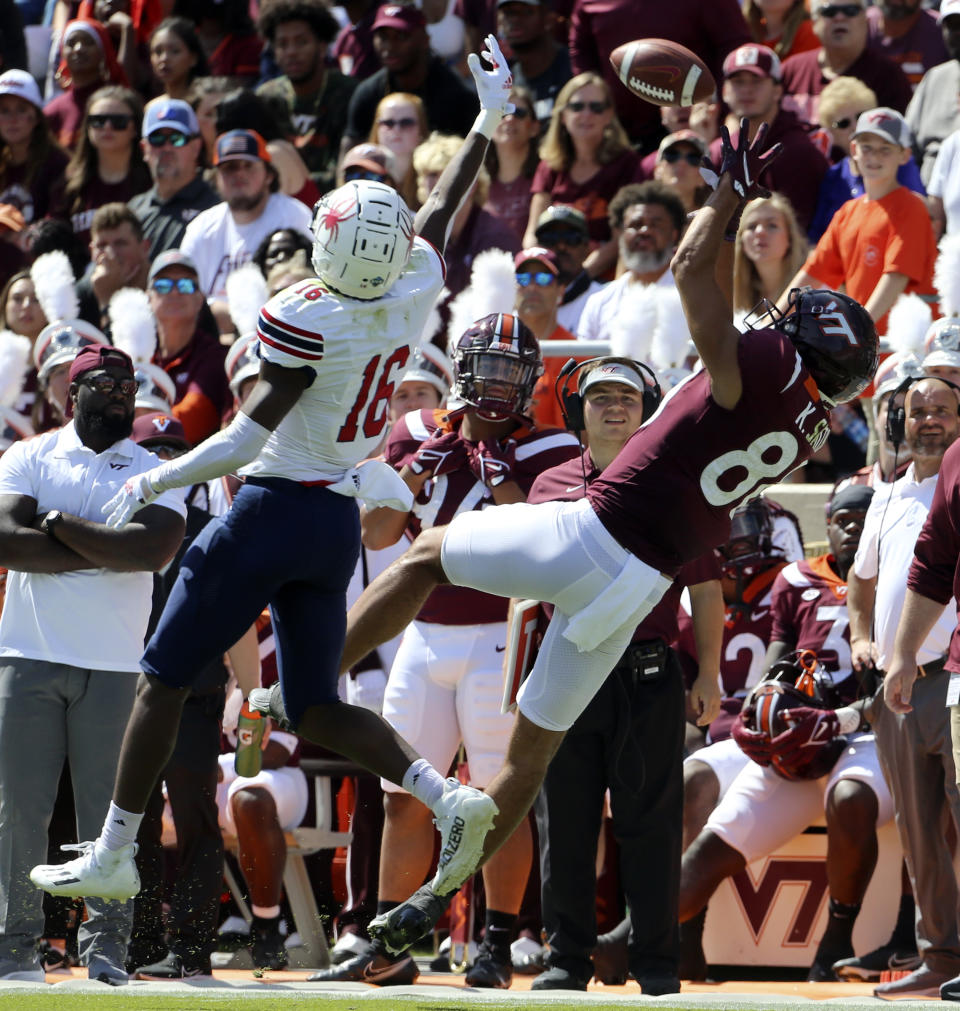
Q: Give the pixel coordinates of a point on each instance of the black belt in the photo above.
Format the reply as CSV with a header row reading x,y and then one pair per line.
x,y
933,668
644,661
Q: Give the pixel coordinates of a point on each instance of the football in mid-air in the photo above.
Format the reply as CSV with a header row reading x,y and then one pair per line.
x,y
663,72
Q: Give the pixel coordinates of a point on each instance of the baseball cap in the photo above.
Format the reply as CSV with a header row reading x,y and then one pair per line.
x,y
886,123
944,346
947,8
372,157
170,114
159,427
171,258
563,214
540,255
240,145
682,137
99,356
21,84
613,372
892,371
754,59
400,16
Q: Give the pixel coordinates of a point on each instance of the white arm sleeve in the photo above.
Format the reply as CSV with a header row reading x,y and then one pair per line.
x,y
238,444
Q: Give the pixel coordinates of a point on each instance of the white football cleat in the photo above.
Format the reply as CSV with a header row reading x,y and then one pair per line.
x,y
463,817
110,876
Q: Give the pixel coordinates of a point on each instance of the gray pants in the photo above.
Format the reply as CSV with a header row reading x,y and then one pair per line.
x,y
917,757
50,713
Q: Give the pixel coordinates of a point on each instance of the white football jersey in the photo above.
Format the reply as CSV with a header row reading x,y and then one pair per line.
x,y
358,350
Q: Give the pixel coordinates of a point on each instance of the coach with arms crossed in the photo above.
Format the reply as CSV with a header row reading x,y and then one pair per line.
x,y
78,599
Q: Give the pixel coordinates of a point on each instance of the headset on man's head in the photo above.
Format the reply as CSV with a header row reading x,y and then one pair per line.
x,y
896,426
571,401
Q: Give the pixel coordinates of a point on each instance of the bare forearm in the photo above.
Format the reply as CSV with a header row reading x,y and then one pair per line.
x,y
28,550
861,594
696,257
889,288
134,548
707,604
244,656
800,280
434,218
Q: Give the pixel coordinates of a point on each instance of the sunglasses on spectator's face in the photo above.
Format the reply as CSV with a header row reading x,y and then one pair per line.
x,y
672,156
568,236
173,139
164,285
847,10
542,279
407,123
519,112
594,107
118,120
107,384
352,174
846,122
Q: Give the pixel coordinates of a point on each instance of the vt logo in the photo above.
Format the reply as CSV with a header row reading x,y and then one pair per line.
x,y
757,898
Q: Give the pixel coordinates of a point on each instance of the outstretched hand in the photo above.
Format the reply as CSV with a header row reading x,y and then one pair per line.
x,y
493,86
744,163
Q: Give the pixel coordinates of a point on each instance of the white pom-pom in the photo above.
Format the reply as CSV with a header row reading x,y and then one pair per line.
x,y
247,294
14,356
132,324
907,324
946,275
462,316
493,280
53,282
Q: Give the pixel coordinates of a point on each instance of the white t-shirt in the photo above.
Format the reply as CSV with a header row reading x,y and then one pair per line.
x,y
895,528
945,180
358,351
92,618
600,317
218,245
568,316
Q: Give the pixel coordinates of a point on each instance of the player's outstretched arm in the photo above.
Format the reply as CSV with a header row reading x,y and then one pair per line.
x,y
493,89
276,391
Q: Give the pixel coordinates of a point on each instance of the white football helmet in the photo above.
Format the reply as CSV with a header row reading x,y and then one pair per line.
x,y
363,234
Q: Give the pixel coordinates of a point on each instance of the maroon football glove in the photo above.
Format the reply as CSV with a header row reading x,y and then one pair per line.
x,y
492,463
440,454
810,730
755,744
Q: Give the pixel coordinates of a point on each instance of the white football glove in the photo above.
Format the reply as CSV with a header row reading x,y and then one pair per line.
x,y
134,495
493,86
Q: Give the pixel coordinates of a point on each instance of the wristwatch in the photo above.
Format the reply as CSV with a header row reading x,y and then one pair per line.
x,y
50,521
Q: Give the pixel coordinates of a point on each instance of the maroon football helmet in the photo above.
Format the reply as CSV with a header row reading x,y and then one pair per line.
x,y
496,364
836,340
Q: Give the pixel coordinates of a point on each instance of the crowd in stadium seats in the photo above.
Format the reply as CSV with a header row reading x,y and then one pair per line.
x,y
160,161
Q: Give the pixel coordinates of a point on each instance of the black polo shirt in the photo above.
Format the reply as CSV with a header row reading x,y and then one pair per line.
x,y
164,222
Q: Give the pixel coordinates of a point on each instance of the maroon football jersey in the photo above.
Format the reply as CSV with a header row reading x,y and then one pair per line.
x,y
810,612
935,572
459,491
668,495
565,483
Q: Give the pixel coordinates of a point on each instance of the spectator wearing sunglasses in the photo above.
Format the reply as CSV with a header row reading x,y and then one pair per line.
x,y
540,64
678,166
563,230
906,32
585,158
315,95
400,126
190,354
107,165
512,160
753,90
369,161
841,104
539,290
844,50
172,148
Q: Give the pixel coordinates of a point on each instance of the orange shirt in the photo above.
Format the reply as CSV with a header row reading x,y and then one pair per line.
x,y
804,40
869,238
546,409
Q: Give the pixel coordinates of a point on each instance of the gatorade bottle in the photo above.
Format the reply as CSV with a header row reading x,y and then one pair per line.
x,y
250,727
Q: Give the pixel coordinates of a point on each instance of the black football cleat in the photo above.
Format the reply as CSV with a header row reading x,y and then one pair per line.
x,y
407,923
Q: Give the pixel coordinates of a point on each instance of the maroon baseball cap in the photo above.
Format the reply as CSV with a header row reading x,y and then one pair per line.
x,y
400,16
159,427
540,255
99,356
754,59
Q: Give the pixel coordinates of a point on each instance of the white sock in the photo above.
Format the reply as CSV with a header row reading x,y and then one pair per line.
x,y
119,829
423,781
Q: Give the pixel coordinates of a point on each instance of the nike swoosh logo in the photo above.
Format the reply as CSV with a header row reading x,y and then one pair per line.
x,y
899,961
371,975
499,649
574,487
